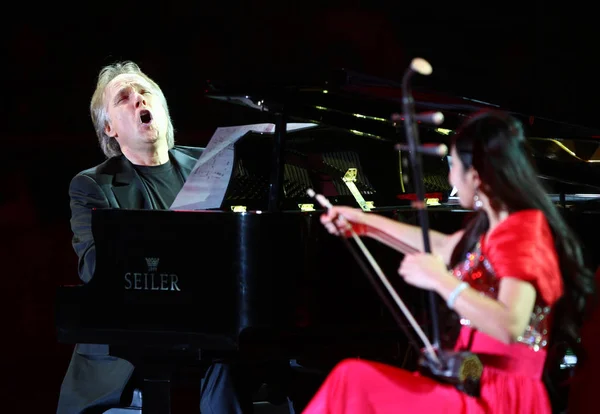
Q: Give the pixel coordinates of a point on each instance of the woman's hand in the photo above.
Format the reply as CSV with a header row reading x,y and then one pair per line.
x,y
354,218
424,270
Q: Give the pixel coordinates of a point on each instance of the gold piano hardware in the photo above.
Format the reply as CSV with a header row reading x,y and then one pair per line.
x,y
350,175
306,207
362,116
569,147
238,209
443,131
418,204
349,179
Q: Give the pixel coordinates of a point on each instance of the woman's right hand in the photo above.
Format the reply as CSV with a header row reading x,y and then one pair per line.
x,y
354,217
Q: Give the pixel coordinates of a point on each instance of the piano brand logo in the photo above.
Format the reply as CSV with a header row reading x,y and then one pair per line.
x,y
152,263
152,279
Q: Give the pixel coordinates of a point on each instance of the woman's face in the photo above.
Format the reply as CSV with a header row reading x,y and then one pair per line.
x,y
465,181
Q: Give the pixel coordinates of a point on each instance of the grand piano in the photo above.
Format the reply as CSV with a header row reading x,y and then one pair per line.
x,y
258,278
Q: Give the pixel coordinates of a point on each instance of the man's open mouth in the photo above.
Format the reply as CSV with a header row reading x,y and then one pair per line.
x,y
145,116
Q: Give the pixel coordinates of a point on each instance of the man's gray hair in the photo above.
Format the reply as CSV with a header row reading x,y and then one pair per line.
x,y
99,112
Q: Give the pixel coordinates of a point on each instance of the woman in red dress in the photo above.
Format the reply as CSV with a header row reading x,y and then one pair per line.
x,y
517,281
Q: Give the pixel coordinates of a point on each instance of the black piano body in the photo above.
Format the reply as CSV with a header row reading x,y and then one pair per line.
x,y
259,278
174,291
215,280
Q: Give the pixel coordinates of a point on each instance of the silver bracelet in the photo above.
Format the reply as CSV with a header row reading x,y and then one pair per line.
x,y
454,294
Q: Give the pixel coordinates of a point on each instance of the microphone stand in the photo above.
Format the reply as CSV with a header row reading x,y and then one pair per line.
x,y
412,135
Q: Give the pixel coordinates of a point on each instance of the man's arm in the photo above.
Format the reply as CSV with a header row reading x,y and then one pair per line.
x,y
85,194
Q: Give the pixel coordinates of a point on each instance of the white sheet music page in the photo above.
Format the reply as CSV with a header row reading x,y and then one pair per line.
x,y
207,183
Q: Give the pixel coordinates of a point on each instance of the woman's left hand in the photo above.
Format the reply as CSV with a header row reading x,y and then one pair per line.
x,y
423,270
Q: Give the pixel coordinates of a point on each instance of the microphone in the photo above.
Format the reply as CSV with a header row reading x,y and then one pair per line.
x,y
436,150
431,117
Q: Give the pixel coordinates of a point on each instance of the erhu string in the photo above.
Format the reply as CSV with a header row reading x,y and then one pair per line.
x,y
399,245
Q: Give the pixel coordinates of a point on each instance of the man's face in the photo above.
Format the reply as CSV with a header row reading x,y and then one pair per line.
x,y
137,118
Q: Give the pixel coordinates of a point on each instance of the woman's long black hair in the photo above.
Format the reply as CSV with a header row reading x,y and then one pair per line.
x,y
493,143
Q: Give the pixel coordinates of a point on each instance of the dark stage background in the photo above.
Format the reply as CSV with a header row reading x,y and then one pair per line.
x,y
525,56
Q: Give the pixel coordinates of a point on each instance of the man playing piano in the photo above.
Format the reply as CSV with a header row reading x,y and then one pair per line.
x,y
144,170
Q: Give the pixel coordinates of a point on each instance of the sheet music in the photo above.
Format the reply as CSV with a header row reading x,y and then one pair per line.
x,y
207,183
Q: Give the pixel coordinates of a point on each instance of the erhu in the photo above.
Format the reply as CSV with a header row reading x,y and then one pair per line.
x,y
462,369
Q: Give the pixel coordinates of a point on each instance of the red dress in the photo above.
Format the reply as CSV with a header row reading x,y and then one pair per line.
x,y
522,247
583,387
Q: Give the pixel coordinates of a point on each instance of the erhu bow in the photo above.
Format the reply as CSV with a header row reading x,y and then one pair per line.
x,y
392,292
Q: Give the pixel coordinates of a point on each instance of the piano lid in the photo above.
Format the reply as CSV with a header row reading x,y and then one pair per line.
x,y
362,105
